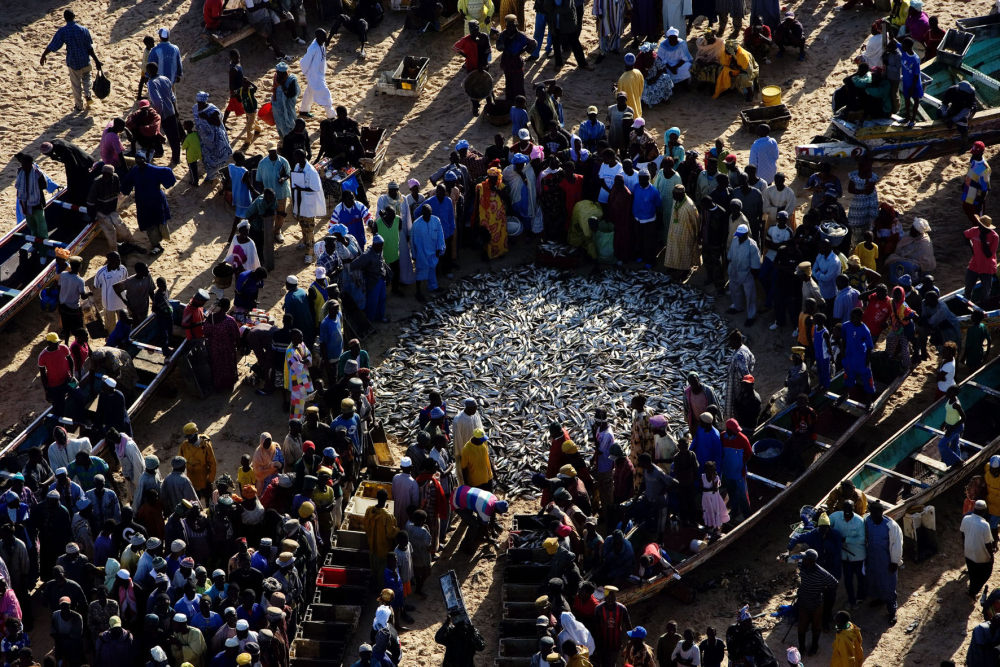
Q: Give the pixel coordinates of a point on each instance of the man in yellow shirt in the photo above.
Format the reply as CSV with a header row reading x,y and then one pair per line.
x,y
632,84
197,450
477,468
380,527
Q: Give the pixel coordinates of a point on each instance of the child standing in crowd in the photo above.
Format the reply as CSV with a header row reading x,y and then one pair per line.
x,y
192,150
248,97
867,251
973,353
147,45
713,505
245,474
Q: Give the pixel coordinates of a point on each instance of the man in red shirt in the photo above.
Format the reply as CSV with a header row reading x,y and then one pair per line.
x,y
611,620
55,365
193,319
878,311
736,451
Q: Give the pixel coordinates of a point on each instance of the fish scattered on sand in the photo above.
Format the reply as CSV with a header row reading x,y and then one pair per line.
x,y
536,345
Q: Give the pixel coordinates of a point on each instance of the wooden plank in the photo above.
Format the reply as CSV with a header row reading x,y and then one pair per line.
x,y
766,481
983,388
229,38
897,475
928,462
825,444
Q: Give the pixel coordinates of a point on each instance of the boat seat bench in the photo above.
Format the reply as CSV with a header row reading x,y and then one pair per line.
x,y
898,475
930,463
961,441
9,291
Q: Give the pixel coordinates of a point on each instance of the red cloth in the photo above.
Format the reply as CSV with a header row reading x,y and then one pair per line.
x,y
574,193
212,14
467,47
877,314
56,364
235,106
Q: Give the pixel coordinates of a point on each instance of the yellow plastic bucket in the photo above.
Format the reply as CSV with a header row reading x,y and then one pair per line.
x,y
770,96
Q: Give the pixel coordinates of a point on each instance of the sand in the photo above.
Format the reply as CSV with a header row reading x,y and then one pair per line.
x,y
38,107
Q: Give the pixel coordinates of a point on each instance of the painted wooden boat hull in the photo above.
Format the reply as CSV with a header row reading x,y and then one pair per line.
x,y
903,460
23,277
152,367
834,422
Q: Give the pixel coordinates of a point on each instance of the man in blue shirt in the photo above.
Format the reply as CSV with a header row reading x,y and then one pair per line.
x,y
858,348
352,214
167,57
592,130
645,209
79,51
162,98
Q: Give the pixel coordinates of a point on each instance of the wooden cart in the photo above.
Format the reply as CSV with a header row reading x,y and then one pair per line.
x,y
407,80
373,140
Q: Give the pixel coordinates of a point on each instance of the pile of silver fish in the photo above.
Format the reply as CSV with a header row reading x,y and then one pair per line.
x,y
535,345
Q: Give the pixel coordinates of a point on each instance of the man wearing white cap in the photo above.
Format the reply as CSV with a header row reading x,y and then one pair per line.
x,y
112,411
313,66
744,264
167,57
405,492
465,423
977,538
187,643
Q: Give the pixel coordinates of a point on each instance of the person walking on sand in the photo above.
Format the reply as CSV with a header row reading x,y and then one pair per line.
x,y
313,65
79,50
979,546
847,648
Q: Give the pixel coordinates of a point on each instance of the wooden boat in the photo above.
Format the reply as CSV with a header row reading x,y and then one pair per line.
x,y
972,58
768,482
26,267
906,471
152,368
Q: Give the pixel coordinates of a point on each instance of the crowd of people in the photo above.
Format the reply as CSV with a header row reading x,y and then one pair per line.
x,y
211,567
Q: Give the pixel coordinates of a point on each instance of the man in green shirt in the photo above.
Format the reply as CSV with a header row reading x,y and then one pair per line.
x,y
261,215
387,226
973,352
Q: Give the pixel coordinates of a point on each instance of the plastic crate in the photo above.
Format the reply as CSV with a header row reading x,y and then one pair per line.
x,y
954,46
777,117
332,577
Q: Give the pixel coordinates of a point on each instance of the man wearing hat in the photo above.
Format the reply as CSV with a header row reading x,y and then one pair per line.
x,y
591,131
612,621
67,633
150,479
380,528
55,366
187,643
177,485
977,180
637,651
197,450
405,492
744,265
979,546
814,584
477,466
478,508
465,423
884,555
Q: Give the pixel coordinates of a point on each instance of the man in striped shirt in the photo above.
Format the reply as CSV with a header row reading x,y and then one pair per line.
x,y
814,581
611,622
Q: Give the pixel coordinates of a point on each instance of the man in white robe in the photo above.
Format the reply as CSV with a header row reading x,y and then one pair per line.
x,y
313,66
308,200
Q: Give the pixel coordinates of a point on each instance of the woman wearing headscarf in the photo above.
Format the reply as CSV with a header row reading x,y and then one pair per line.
x,y
738,71
298,359
491,213
215,148
223,336
384,639
267,461
575,631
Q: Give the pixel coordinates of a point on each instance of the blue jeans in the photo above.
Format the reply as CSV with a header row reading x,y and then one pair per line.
x,y
375,301
951,451
540,23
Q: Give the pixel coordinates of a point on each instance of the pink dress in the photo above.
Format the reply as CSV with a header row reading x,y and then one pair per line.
x,y
712,504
